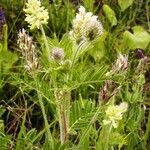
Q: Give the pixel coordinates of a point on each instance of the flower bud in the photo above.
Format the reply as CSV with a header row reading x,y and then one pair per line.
x,y
58,54
121,63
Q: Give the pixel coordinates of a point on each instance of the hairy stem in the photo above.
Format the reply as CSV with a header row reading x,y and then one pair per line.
x,y
49,135
63,106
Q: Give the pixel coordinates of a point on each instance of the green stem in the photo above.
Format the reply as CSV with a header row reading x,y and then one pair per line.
x,y
106,146
148,14
63,106
146,136
46,50
63,125
49,136
5,46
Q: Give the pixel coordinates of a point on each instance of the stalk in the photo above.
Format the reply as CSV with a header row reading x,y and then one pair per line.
x,y
46,50
106,145
49,135
103,141
146,136
63,106
5,46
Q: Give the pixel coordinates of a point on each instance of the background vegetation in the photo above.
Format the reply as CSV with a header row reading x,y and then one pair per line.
x,y
62,105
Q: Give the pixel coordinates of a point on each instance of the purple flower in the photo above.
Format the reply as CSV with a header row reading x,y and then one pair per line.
x,y
2,17
139,53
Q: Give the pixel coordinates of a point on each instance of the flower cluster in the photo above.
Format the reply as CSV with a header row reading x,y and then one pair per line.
x,y
114,114
110,88
86,26
27,49
36,15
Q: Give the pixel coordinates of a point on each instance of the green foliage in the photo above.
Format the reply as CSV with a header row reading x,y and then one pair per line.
x,y
62,104
4,141
125,4
139,39
2,110
117,139
110,15
7,58
81,113
89,4
61,14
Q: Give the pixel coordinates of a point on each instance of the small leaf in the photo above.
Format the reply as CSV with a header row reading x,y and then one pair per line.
x,y
2,126
124,4
2,110
80,117
139,39
110,15
31,134
4,141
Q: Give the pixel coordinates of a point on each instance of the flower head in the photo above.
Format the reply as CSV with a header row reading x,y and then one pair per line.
x,y
27,49
115,113
58,54
36,15
121,63
86,26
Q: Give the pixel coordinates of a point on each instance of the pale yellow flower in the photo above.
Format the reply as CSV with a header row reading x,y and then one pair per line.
x,y
86,26
114,113
36,15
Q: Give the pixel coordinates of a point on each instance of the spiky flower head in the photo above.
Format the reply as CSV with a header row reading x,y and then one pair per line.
x,y
58,54
114,113
36,15
27,49
86,26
